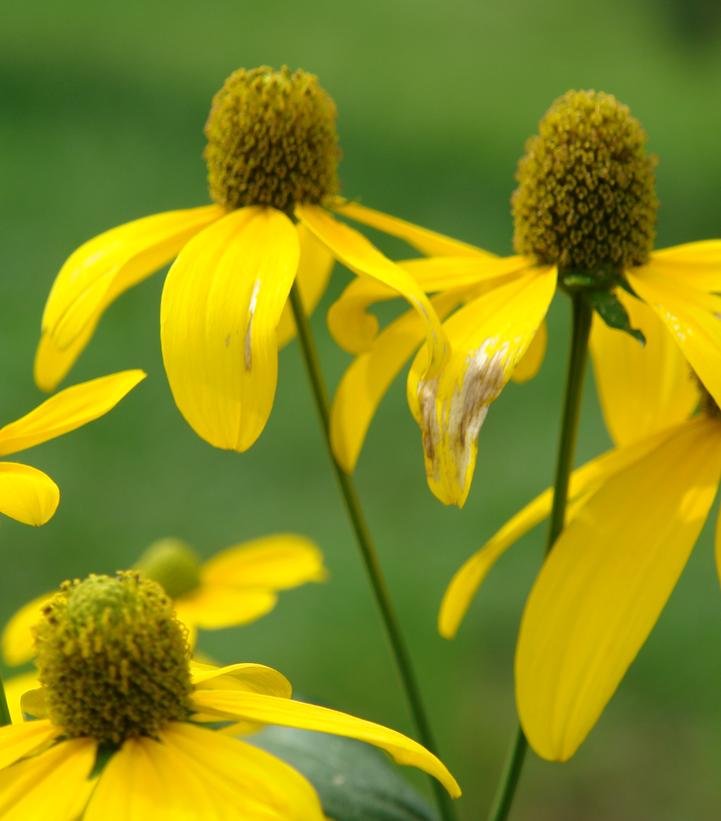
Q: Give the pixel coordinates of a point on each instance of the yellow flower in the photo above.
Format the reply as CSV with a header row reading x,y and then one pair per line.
x,y
633,518
272,154
128,728
236,586
584,212
26,493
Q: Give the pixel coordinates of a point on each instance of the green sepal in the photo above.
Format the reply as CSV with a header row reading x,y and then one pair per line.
x,y
611,310
355,782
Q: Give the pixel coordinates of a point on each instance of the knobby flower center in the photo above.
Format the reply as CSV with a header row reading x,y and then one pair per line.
x,y
173,564
272,140
586,197
113,659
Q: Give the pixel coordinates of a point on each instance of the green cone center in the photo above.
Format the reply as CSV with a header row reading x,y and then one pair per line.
x,y
173,564
272,140
586,197
113,659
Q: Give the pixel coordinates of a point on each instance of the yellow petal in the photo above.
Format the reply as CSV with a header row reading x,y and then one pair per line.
x,y
53,785
584,481
354,328
17,638
67,410
221,305
213,606
697,264
642,388
356,253
530,363
369,376
26,494
277,562
251,678
98,272
19,740
288,713
15,689
605,584
427,242
314,267
488,338
692,317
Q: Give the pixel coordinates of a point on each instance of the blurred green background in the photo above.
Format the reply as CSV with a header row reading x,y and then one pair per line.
x,y
101,116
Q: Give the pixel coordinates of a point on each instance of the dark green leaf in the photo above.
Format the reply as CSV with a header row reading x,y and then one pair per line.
x,y
355,782
612,312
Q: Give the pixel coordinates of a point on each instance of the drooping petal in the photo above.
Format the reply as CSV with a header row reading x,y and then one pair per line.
x,y
18,740
488,338
361,257
15,689
697,264
314,268
221,305
288,713
214,606
369,376
427,242
642,388
354,328
276,562
691,315
67,410
530,363
251,678
52,785
98,272
27,494
17,637
605,584
584,481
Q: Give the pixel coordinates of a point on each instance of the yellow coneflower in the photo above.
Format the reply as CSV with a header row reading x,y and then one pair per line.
x,y
272,156
584,214
127,727
634,516
236,586
26,493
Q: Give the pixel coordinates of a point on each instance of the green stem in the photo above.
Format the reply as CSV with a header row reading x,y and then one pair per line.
x,y
4,709
582,314
367,549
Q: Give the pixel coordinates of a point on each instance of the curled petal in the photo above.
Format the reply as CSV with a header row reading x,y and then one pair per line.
x,y
643,388
221,305
289,713
369,376
530,363
427,242
354,251
314,268
98,272
488,338
691,315
67,410
27,494
605,583
250,678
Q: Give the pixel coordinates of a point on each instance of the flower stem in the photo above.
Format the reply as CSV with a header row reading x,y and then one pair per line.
x,y
367,549
4,709
578,355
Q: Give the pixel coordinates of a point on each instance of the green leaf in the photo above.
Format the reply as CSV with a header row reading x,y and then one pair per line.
x,y
607,306
355,782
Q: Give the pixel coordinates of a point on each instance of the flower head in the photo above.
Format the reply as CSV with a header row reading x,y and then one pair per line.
x,y
236,586
272,156
584,217
126,723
